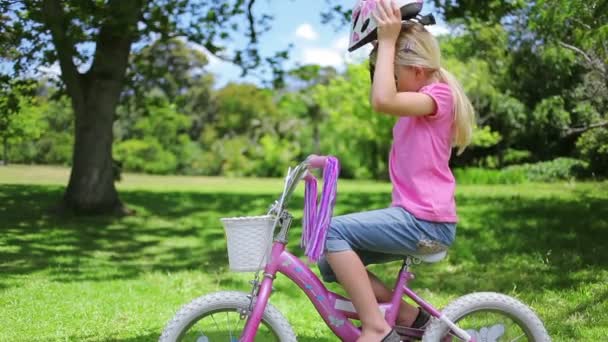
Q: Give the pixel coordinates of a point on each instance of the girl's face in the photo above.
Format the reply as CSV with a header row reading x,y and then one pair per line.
x,y
409,78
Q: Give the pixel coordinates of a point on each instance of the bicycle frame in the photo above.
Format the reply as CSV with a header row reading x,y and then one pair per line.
x,y
333,308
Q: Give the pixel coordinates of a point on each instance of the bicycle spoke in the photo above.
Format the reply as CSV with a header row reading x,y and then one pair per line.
x,y
225,327
214,321
241,321
228,326
491,326
518,337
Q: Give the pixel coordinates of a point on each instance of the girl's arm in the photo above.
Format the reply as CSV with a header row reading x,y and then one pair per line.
x,y
384,95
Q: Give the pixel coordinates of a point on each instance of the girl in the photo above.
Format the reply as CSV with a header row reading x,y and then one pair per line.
x,y
434,115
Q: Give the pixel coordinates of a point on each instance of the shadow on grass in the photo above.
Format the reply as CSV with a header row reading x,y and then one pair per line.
x,y
502,241
171,232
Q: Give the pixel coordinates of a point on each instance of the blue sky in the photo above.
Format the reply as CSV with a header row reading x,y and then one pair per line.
x,y
299,22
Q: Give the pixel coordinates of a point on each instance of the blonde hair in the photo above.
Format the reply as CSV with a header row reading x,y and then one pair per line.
x,y
418,47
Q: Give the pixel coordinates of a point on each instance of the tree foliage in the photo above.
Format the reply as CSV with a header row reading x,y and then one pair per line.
x,y
92,40
19,114
539,90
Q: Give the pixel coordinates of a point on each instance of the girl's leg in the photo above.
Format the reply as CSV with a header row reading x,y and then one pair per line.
x,y
353,276
391,232
407,312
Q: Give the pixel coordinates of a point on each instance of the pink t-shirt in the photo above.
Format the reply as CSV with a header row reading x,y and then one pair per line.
x,y
423,183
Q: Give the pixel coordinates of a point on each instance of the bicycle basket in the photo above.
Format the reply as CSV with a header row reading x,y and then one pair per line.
x,y
249,241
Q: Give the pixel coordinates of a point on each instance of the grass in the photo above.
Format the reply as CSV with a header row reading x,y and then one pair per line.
x,y
122,279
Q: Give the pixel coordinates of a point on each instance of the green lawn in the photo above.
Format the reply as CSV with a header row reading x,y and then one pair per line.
x,y
109,279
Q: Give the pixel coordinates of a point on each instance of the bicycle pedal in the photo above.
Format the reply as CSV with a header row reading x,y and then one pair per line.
x,y
409,334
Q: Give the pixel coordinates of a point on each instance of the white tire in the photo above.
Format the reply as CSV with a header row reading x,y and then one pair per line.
x,y
527,320
226,301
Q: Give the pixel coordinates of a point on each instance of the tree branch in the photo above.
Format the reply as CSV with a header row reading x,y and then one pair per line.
x,y
114,40
580,22
575,130
252,32
54,18
592,62
577,50
482,120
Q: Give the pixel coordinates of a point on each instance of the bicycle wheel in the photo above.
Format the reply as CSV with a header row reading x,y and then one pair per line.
x,y
216,317
489,316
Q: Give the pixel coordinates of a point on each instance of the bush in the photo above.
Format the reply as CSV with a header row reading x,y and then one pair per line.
x,y
513,157
559,169
551,171
192,163
55,148
475,175
274,156
593,147
144,156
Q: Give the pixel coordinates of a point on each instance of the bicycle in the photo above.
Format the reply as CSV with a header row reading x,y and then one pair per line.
x,y
501,318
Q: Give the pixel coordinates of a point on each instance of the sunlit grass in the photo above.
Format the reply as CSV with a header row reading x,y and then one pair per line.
x,y
108,279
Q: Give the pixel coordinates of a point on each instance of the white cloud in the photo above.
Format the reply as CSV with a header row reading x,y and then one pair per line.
x,y
306,31
322,56
360,55
53,70
223,71
335,55
214,61
341,43
438,30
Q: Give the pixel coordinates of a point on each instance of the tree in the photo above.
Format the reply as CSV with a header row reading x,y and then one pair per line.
x,y
244,109
555,66
18,118
158,139
583,29
489,10
92,40
303,79
364,151
172,69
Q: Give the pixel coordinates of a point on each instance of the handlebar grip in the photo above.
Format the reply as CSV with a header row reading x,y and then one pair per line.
x,y
317,162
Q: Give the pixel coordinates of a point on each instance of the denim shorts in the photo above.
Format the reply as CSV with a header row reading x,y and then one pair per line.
x,y
384,235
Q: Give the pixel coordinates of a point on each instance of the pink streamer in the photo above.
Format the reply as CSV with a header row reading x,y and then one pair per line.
x,y
316,219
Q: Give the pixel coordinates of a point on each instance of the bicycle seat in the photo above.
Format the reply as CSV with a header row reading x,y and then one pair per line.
x,y
430,258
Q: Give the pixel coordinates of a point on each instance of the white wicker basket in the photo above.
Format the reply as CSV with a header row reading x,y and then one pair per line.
x,y
249,241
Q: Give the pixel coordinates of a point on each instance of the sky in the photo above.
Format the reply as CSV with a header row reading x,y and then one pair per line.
x,y
296,22
299,22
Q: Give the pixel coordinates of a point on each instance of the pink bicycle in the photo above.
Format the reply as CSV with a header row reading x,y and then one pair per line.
x,y
238,316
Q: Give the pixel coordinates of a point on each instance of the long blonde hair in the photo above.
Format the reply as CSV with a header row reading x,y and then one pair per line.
x,y
418,47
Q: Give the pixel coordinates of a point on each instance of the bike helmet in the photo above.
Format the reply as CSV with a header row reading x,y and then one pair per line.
x,y
364,26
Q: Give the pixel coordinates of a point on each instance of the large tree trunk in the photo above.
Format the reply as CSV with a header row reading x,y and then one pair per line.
x,y
94,98
91,188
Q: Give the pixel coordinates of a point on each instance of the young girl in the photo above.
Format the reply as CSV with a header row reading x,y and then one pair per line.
x,y
434,115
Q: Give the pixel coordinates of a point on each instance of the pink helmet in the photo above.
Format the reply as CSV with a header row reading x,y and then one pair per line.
x,y
364,27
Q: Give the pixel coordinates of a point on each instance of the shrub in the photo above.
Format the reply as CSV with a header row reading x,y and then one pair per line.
x,y
593,147
513,157
550,171
144,156
475,175
553,170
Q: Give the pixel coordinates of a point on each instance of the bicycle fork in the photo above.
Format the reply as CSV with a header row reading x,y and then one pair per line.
x,y
259,300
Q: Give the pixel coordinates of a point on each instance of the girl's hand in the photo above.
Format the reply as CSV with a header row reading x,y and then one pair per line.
x,y
388,16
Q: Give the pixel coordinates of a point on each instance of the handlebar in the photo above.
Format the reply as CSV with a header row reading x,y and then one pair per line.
x,y
295,175
316,162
